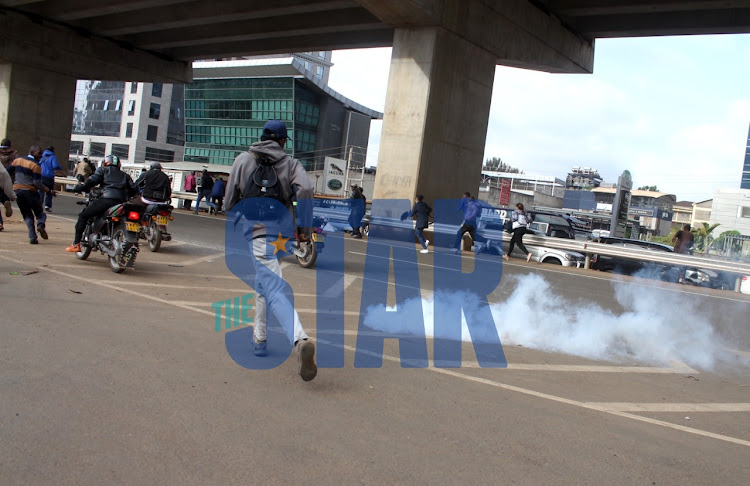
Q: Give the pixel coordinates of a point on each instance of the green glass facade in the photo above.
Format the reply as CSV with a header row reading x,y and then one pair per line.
x,y
223,117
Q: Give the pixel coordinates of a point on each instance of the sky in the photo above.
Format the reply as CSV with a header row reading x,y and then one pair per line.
x,y
674,111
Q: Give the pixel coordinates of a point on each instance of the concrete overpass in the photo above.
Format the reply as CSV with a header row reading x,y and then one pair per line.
x,y
442,69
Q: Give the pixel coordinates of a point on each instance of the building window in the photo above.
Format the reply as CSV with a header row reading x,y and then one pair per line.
x,y
319,71
98,149
151,133
154,110
131,107
158,155
745,211
133,88
106,105
129,130
76,147
156,90
121,150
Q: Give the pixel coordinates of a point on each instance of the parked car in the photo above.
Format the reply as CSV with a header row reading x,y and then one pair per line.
x,y
629,266
492,239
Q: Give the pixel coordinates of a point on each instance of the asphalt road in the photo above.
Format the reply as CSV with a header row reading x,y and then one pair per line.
x,y
109,378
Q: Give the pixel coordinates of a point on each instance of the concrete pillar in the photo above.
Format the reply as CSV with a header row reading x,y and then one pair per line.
x,y
36,108
436,114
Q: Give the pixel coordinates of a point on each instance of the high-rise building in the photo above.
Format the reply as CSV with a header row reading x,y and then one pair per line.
x,y
136,121
745,184
230,101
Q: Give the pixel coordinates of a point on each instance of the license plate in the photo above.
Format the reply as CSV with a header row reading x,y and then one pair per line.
x,y
132,226
318,238
162,220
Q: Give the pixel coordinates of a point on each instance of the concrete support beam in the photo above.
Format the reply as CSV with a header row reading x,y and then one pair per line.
x,y
436,115
36,108
62,50
517,32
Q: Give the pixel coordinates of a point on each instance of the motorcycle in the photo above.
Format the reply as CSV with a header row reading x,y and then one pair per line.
x,y
115,234
307,251
156,217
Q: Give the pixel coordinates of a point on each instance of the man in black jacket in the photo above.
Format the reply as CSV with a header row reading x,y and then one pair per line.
x,y
155,184
206,186
116,186
358,210
422,211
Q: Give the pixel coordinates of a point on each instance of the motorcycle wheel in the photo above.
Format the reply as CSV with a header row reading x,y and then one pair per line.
x,y
311,254
85,244
154,237
118,238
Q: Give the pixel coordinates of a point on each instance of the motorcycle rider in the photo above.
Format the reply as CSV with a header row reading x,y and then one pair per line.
x,y
155,184
116,186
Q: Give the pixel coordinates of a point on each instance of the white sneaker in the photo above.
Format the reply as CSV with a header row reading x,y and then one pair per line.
x,y
426,242
424,251
454,250
306,359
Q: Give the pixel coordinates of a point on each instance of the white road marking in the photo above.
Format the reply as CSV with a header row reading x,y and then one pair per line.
x,y
672,407
604,408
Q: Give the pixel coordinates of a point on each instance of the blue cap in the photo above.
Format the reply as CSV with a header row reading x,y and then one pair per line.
x,y
275,130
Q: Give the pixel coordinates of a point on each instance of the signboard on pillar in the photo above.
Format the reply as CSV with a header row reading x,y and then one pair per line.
x,y
504,193
621,206
334,176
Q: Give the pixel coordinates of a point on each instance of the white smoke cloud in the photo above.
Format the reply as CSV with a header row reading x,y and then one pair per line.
x,y
656,328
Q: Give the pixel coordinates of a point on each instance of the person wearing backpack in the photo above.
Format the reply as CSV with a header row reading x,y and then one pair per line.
x,y
268,174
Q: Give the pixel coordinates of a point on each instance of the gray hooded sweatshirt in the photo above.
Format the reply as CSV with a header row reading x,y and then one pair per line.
x,y
289,171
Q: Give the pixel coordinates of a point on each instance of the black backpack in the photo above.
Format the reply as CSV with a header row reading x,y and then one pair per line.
x,y
265,185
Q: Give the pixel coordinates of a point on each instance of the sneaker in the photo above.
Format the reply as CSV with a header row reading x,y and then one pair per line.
x,y
506,257
454,250
426,242
528,258
48,209
33,241
8,209
74,248
42,232
424,250
357,236
306,359
259,348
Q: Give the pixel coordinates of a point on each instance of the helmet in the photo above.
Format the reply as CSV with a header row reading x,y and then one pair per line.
x,y
111,160
156,165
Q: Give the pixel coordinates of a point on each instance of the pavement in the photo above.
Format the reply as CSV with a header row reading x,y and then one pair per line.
x,y
108,378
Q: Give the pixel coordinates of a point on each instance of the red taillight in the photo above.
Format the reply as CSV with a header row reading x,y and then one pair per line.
x,y
163,213
134,215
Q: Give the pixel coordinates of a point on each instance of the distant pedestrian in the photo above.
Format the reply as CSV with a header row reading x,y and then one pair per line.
x,y
50,168
422,211
205,187
217,194
683,240
92,165
7,155
154,185
357,210
189,187
471,211
521,220
27,184
6,191
83,170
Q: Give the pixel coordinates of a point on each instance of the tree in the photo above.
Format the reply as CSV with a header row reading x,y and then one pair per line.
x,y
497,164
648,188
703,236
736,246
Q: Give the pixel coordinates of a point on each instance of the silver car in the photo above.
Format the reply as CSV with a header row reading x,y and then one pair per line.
x,y
491,238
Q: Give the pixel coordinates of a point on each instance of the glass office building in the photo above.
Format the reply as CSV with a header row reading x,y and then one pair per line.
x,y
230,101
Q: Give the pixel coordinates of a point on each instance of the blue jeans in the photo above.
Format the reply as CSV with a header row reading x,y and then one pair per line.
x,y
420,237
207,196
31,206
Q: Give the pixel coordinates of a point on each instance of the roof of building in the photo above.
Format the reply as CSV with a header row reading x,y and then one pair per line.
x,y
683,204
634,192
274,67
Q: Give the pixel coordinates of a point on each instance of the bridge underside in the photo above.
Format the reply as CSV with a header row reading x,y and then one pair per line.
x,y
441,73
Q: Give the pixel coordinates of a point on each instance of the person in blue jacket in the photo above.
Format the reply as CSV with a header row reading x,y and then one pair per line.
x,y
471,213
50,168
217,195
